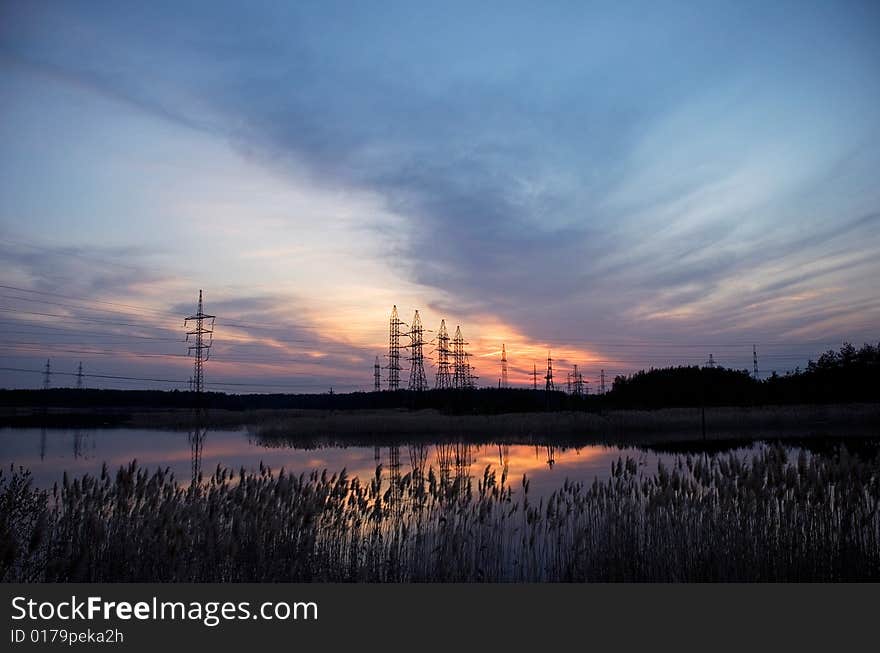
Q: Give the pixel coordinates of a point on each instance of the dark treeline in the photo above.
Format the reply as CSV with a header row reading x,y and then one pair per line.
x,y
844,376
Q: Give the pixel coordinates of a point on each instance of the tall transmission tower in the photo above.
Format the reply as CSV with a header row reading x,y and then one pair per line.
x,y
534,376
47,375
394,350
459,362
417,380
443,378
79,376
503,366
602,382
203,338
755,362
711,362
377,376
576,382
548,378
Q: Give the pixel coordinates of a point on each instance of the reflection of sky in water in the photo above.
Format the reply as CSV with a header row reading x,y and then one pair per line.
x,y
50,452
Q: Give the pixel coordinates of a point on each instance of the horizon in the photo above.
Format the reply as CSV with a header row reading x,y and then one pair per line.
x,y
624,187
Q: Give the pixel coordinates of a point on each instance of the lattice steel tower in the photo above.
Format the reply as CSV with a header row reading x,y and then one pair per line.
x,y
203,339
47,375
394,350
548,378
79,376
503,366
377,376
602,382
443,378
417,380
460,372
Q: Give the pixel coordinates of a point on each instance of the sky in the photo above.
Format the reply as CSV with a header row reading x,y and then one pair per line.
x,y
620,185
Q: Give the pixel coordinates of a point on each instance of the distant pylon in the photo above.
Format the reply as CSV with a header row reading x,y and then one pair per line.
x,y
503,366
417,380
548,378
377,376
394,350
47,375
602,382
755,361
710,362
576,382
443,378
203,338
79,376
459,362
534,376
471,382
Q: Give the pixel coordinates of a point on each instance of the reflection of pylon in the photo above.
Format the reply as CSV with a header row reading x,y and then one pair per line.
x,y
197,441
417,380
443,379
503,366
548,378
394,487
394,350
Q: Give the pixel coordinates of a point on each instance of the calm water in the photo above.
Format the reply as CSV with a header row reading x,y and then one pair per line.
x,y
48,453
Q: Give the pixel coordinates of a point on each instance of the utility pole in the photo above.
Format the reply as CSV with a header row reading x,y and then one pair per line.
x,y
503,366
47,375
394,350
417,379
79,376
202,339
377,376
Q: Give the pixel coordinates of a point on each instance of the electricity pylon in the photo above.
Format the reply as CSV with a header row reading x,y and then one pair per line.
x,y
548,378
417,379
503,366
394,350
755,361
79,376
47,375
377,376
203,339
443,378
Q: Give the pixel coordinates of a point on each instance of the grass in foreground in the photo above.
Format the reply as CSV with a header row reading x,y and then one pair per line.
x,y
704,519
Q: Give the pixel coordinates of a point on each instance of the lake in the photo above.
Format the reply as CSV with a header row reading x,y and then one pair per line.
x,y
48,453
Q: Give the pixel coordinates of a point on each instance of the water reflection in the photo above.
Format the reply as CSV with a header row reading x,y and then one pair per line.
x,y
48,453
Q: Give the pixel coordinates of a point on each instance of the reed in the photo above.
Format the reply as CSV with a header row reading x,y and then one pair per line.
x,y
704,518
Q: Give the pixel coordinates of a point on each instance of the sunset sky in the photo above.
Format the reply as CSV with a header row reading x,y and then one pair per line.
x,y
625,184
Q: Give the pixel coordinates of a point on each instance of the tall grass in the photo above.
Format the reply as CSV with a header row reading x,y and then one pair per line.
x,y
706,518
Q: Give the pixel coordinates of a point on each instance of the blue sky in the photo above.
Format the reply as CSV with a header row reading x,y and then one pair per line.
x,y
629,184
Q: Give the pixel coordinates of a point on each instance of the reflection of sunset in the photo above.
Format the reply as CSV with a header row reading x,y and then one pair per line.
x,y
233,450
